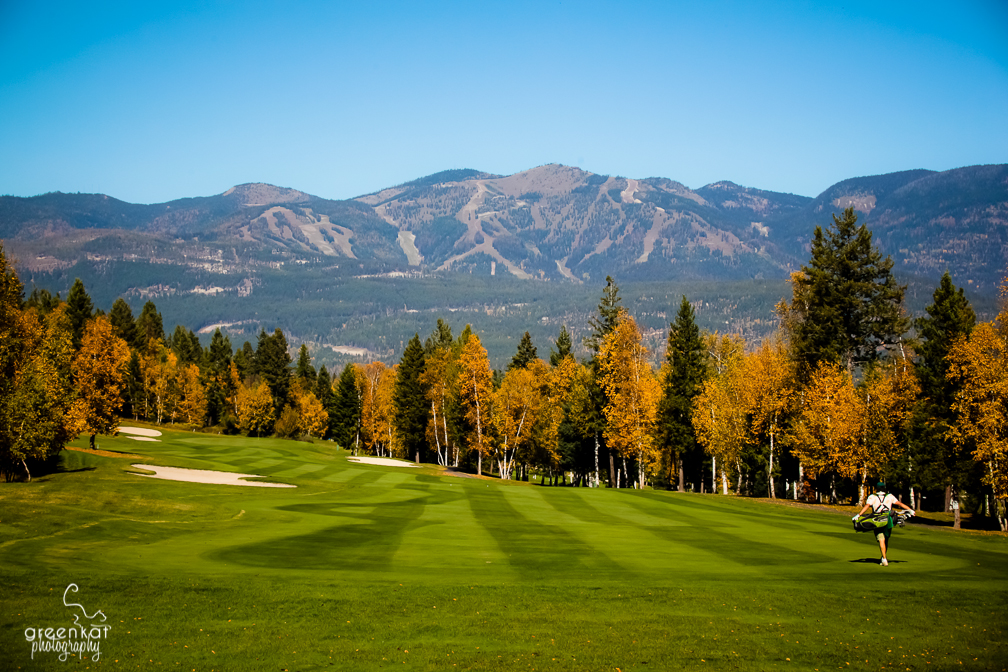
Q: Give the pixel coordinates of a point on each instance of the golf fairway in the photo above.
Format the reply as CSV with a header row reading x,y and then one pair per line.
x,y
373,567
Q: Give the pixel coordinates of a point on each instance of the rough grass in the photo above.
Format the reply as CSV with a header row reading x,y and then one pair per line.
x,y
365,567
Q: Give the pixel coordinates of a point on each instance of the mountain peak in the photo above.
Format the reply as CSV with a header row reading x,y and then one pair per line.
x,y
260,193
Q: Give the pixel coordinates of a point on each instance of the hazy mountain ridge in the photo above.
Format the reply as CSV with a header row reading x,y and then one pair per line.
x,y
551,222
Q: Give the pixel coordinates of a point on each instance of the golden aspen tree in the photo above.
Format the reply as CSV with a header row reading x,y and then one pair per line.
x,y
720,410
769,389
557,389
192,401
99,371
377,387
632,393
35,388
160,368
889,390
828,434
312,416
515,410
475,385
438,379
255,408
979,364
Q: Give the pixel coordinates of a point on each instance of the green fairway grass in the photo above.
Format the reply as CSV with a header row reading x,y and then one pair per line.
x,y
370,567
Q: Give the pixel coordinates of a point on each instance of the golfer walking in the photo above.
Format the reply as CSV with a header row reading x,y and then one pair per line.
x,y
879,502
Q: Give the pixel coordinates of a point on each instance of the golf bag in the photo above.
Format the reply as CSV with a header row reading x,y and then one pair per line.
x,y
873,522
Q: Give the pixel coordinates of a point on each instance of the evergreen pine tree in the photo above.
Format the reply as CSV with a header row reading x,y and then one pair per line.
x,y
244,360
563,347
937,463
525,355
305,371
121,317
345,421
218,359
441,337
686,365
851,304
324,393
273,364
43,301
410,399
79,310
149,326
602,324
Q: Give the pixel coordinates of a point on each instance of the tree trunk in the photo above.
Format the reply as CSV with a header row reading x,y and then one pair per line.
x,y
773,494
596,461
948,498
724,483
612,470
479,463
801,479
832,489
912,500
682,486
713,475
25,465
955,508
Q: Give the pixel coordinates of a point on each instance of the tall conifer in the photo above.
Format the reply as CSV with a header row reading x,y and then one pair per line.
x,y
410,399
686,366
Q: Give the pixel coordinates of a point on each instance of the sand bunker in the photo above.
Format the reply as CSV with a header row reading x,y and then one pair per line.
x,y
205,476
143,438
139,431
382,461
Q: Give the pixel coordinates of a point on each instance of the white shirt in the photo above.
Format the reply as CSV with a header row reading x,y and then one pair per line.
x,y
880,504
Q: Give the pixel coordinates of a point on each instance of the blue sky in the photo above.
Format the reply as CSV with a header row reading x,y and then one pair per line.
x,y
159,100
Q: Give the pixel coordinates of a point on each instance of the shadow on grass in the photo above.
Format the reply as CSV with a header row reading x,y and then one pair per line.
x,y
876,561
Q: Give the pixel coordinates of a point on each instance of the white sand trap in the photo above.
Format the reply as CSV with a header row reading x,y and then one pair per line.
x,y
143,438
382,461
205,476
139,431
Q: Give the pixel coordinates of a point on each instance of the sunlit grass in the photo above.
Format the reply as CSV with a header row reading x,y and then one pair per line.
x,y
362,567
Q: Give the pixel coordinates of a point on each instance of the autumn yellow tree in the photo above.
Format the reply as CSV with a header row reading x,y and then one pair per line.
x,y
255,408
632,394
160,366
378,386
192,400
313,418
889,391
475,385
720,410
829,431
99,370
556,388
979,364
769,390
35,387
514,412
438,378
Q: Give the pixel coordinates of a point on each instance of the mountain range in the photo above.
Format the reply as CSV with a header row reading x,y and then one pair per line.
x,y
553,222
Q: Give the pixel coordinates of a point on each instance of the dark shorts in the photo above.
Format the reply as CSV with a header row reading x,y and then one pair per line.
x,y
885,531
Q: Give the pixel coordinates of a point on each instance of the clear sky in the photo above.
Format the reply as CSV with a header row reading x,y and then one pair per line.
x,y
150,101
